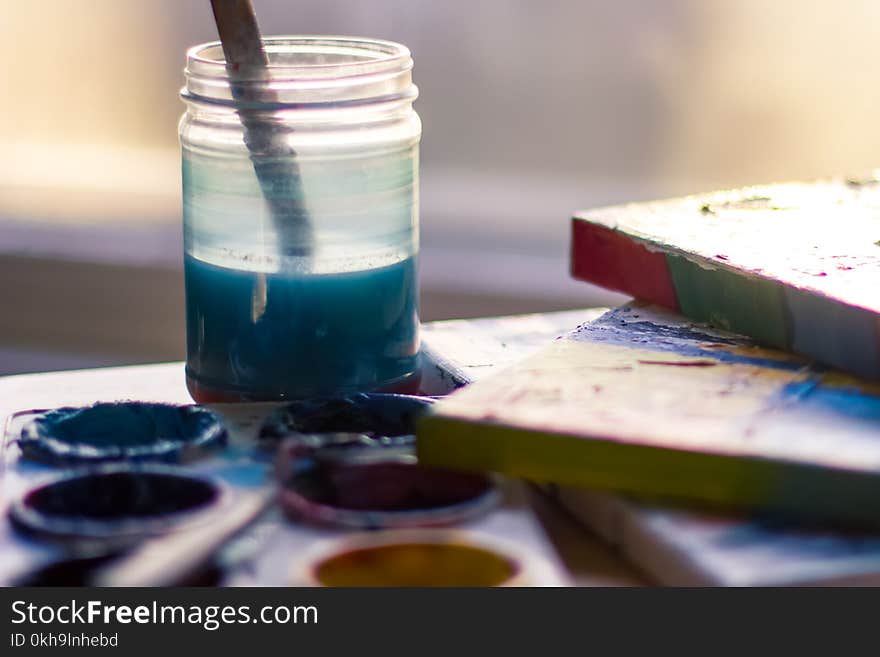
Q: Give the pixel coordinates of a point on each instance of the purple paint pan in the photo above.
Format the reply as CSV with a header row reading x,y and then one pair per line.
x,y
341,480
350,462
117,502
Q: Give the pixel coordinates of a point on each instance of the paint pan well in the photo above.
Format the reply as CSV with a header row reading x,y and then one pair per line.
x,y
119,431
350,480
350,462
435,559
116,502
369,414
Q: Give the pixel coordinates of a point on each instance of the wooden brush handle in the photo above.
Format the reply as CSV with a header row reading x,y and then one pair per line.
x,y
273,159
239,33
171,559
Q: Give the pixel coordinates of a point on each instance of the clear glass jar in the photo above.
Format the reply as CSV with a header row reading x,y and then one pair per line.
x,y
301,251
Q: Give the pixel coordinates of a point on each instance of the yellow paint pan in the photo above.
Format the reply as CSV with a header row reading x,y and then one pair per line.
x,y
427,557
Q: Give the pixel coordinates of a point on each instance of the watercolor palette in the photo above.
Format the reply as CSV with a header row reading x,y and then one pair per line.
x,y
39,542
794,266
644,402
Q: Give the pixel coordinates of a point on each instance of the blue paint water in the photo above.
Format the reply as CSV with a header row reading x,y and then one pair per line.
x,y
266,336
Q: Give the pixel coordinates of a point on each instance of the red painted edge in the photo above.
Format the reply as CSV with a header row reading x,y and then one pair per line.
x,y
616,261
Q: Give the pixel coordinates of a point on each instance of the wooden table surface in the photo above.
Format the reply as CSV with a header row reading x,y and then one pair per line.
x,y
590,562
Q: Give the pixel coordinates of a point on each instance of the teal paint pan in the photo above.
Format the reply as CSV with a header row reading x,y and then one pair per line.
x,y
118,431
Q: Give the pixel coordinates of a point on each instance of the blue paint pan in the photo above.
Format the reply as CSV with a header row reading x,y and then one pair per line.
x,y
119,431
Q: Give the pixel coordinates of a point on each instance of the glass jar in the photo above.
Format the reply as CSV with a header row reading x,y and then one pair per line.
x,y
300,221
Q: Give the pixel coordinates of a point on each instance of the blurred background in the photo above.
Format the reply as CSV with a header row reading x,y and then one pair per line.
x,y
531,111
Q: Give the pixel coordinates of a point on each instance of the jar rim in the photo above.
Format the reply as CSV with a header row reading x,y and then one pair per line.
x,y
337,57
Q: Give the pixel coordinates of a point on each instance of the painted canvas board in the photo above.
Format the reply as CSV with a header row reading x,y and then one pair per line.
x,y
645,402
673,546
795,266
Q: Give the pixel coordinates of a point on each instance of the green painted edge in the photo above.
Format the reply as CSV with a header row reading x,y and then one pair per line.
x,y
698,478
727,300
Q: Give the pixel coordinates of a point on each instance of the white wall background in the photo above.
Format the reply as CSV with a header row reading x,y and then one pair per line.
x,y
531,110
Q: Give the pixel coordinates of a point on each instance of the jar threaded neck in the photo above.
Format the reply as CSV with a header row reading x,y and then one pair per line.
x,y
306,71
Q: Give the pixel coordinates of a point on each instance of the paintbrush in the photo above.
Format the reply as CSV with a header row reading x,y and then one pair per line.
x,y
173,558
273,159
